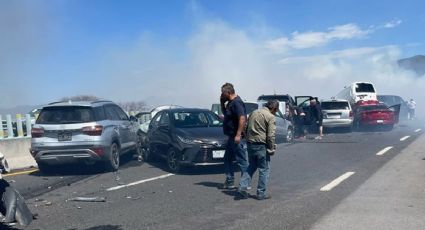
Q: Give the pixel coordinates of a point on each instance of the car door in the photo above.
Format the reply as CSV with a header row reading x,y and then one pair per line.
x,y
163,134
153,138
304,103
113,122
128,128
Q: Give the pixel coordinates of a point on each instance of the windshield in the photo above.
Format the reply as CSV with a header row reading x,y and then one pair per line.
x,y
364,88
196,119
65,115
335,105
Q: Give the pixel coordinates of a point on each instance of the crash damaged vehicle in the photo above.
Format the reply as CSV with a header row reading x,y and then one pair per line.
x,y
373,114
186,136
12,208
144,119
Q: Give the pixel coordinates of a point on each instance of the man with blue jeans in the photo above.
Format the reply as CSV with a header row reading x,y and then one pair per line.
x,y
234,123
261,141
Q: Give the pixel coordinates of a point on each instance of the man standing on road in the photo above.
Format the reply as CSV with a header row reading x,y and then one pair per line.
x,y
261,141
234,123
412,107
317,115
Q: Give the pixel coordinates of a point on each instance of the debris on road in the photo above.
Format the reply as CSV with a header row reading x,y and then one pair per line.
x,y
89,199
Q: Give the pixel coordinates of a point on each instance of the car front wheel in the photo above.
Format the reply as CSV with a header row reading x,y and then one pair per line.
x,y
173,162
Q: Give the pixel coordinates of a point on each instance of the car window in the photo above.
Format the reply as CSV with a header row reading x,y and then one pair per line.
x,y
164,120
364,88
335,105
111,114
122,115
216,108
155,121
303,101
213,119
66,115
99,113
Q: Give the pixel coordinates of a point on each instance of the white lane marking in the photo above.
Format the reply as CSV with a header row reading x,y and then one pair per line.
x,y
418,130
404,138
336,182
138,182
382,152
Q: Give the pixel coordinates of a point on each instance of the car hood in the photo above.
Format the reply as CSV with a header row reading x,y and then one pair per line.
x,y
206,134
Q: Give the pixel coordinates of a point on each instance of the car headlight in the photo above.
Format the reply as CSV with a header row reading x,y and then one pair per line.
x,y
188,140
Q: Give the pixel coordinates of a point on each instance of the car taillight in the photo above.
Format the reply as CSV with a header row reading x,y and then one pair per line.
x,y
93,130
37,132
351,114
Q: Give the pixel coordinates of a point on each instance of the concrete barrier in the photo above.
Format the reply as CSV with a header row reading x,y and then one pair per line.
x,y
17,153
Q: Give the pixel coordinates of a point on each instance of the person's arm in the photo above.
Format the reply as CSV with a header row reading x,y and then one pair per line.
x,y
271,135
241,126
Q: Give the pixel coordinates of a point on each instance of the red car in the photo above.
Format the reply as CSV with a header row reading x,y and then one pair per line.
x,y
374,115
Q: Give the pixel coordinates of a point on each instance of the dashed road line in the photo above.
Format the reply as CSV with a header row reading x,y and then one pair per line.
x,y
404,138
138,182
382,152
336,182
418,130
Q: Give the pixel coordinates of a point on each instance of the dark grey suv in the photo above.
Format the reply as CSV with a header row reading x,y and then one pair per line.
x,y
88,132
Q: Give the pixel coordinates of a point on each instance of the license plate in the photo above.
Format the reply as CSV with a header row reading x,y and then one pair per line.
x,y
64,136
380,121
218,153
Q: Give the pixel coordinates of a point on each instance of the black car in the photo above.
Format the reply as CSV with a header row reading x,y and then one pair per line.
x,y
186,136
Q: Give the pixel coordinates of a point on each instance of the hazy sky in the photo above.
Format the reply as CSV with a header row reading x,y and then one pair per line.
x,y
181,52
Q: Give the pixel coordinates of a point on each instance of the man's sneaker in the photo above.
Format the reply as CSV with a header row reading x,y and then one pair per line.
x,y
229,185
264,197
243,193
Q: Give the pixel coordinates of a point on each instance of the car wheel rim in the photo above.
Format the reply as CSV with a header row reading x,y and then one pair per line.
x,y
115,156
172,162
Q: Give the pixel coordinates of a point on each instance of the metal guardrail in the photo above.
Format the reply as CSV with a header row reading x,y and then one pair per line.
x,y
20,127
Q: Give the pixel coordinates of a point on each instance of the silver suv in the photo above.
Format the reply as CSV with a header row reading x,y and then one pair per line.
x,y
89,132
337,114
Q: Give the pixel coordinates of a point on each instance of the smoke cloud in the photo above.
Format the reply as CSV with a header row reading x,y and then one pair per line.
x,y
218,53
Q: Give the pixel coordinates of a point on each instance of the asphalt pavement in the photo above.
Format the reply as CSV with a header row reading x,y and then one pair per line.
x,y
312,182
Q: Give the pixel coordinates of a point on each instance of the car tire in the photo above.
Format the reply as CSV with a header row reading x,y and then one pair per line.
x,y
113,162
173,163
289,137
